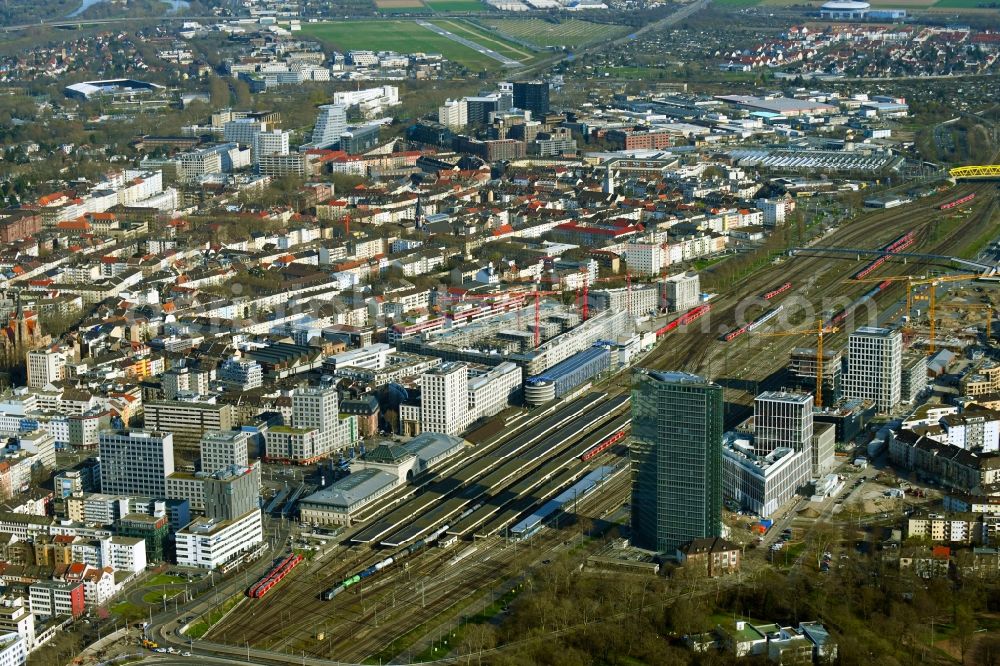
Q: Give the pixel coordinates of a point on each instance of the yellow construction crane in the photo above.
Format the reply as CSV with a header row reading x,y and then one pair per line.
x,y
819,332
916,281
974,306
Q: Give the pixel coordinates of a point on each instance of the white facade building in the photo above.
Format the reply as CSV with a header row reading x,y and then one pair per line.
x,y
136,462
45,366
444,399
220,450
873,367
645,258
330,124
208,544
454,113
782,420
491,392
681,291
13,650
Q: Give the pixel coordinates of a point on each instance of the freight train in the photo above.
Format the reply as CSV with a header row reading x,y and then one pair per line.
x,y
274,576
957,202
685,319
777,290
838,318
898,245
350,581
755,324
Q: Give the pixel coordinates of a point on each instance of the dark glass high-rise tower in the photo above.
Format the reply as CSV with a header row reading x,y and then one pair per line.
x,y
676,459
533,96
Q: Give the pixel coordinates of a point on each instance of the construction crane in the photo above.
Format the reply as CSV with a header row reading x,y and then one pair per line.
x,y
538,293
819,331
974,306
586,291
916,281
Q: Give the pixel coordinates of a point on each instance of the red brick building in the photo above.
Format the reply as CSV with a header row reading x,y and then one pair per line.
x,y
17,224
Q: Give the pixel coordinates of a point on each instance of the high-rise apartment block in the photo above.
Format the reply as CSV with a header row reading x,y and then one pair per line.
x,y
274,142
45,366
676,459
874,366
444,399
135,462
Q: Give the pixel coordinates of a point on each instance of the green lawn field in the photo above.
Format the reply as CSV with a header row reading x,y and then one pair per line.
x,y
401,36
965,4
456,5
487,39
570,33
736,3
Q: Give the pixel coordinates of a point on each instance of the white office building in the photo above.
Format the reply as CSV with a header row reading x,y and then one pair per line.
x,y
454,113
13,650
315,407
682,291
491,391
123,553
874,367
782,420
208,543
45,366
646,258
221,450
330,124
761,483
274,142
135,462
444,399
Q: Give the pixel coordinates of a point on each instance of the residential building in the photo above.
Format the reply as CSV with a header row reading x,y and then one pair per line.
x,y
873,366
16,617
13,649
454,114
646,258
715,555
444,399
676,459
45,366
273,142
50,598
136,462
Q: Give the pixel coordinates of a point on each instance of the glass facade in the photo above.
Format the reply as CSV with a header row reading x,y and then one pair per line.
x,y
676,459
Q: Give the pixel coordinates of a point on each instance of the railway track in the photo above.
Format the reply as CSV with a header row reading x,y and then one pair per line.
x,y
354,623
822,278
